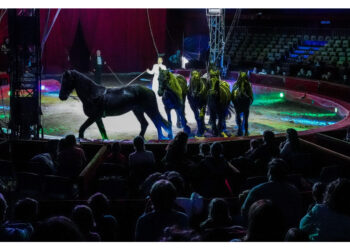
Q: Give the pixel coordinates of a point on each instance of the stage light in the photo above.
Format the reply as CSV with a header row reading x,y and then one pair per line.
x,y
335,110
9,93
281,94
43,87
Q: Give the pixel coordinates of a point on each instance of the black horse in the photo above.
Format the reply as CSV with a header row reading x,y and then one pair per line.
x,y
197,98
99,102
173,89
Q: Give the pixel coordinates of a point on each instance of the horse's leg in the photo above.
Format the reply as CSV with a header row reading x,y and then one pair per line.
x,y
178,122
245,119
196,115
187,129
168,114
144,124
102,129
239,123
159,122
85,125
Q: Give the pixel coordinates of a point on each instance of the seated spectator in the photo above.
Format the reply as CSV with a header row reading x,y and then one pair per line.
x,y
71,158
284,195
272,72
116,157
301,73
204,150
255,70
262,72
109,228
267,150
219,215
141,162
47,160
150,226
215,176
308,74
26,211
296,235
83,218
12,231
175,234
291,146
175,157
265,222
318,190
278,70
330,221
57,229
254,145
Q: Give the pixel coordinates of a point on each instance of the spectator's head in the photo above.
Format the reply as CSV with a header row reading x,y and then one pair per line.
x,y
3,208
179,144
296,235
337,196
176,234
116,148
99,204
139,144
26,210
176,179
219,210
58,229
292,135
277,170
149,181
254,143
269,137
82,216
204,149
163,194
62,145
98,52
71,141
52,147
216,149
109,228
265,222
318,190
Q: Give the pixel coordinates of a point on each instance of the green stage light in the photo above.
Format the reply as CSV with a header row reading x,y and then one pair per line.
x,y
281,94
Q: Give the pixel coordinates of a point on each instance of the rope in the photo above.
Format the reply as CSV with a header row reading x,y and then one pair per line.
x,y
116,77
135,78
48,32
150,29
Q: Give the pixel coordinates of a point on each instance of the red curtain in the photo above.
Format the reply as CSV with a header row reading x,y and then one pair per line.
x,y
3,28
123,36
60,40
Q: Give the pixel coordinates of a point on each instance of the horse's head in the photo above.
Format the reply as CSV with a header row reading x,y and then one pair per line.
x,y
195,81
242,80
67,85
163,79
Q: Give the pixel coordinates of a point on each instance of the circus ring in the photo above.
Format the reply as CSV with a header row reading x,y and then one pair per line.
x,y
280,103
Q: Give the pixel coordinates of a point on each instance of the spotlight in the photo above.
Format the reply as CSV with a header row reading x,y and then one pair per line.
x,y
43,87
9,93
281,94
335,110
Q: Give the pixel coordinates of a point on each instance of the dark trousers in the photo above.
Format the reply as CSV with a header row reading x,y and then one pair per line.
x,y
98,73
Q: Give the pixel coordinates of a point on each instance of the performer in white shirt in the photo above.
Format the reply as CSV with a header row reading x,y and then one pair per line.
x,y
155,73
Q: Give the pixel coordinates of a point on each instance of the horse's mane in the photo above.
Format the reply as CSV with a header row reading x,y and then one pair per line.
x,y
174,85
94,90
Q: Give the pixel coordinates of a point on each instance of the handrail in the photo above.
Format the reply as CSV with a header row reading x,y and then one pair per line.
x,y
89,172
334,143
326,151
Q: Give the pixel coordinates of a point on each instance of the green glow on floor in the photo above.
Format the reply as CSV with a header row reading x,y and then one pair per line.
x,y
308,114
